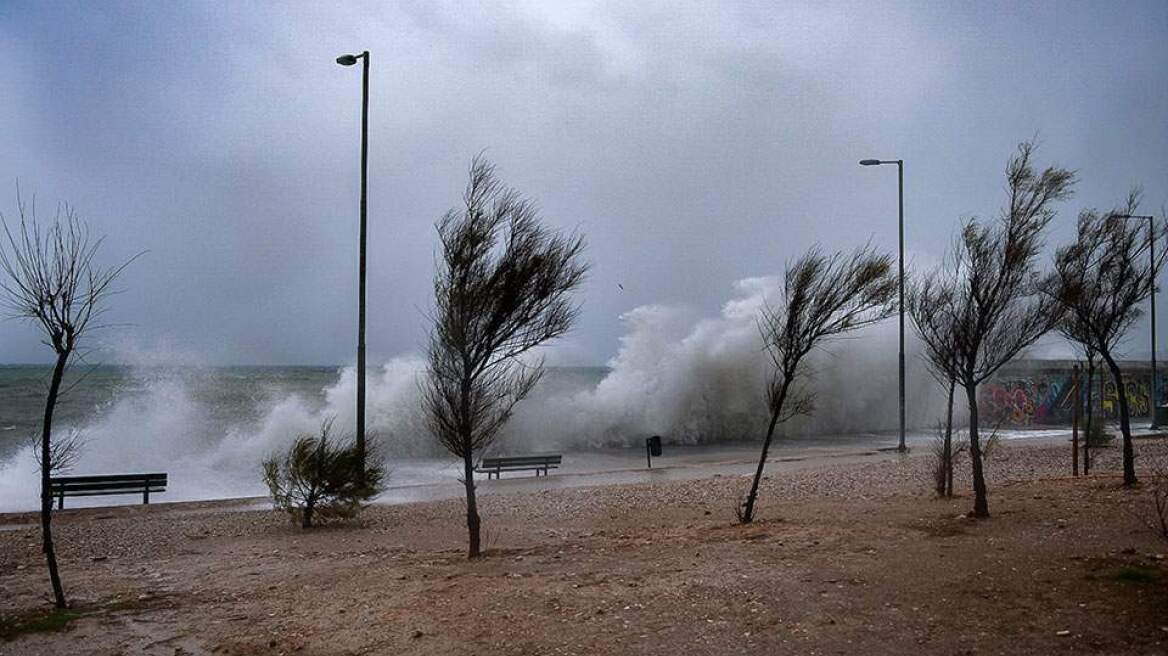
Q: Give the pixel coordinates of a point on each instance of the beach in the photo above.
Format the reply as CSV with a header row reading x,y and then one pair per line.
x,y
850,555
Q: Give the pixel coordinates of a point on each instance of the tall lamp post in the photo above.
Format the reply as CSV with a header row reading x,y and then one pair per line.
x,y
900,187
349,60
1152,254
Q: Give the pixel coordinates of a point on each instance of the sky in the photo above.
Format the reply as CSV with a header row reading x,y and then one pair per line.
x,y
692,145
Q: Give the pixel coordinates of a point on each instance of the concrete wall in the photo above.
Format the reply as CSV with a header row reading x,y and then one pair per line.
x,y
1039,392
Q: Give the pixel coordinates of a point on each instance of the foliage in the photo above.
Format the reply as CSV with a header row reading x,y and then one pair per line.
x,y
57,619
503,288
1096,433
823,296
319,479
1101,280
983,306
945,460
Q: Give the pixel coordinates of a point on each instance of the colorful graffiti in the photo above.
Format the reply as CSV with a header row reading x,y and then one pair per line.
x,y
1137,399
1028,400
1045,397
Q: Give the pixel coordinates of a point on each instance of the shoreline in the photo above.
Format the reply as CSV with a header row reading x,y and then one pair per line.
x,y
668,468
795,459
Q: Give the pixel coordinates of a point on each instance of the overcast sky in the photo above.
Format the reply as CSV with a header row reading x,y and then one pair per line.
x,y
692,147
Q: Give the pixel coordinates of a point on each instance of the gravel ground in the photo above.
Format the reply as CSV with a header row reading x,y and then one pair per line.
x,y
840,556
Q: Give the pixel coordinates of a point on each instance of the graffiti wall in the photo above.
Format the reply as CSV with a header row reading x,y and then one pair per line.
x,y
1044,395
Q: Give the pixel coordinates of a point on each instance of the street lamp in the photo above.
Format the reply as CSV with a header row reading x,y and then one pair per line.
x,y
1152,255
349,60
900,187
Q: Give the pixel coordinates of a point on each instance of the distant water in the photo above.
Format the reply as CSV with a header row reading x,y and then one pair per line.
x,y
210,427
230,396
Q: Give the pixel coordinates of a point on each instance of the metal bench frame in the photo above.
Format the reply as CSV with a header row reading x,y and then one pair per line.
x,y
496,466
93,486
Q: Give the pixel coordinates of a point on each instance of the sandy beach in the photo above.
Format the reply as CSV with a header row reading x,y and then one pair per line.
x,y
852,556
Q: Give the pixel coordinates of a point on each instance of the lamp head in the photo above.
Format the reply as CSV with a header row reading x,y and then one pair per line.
x,y
347,60
869,162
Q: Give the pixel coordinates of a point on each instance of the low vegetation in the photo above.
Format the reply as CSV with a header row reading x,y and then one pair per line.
x,y
320,479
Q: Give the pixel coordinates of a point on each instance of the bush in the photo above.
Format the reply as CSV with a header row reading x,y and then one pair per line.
x,y
1096,437
319,479
942,473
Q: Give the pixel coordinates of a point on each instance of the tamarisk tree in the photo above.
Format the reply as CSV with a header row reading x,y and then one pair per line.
x,y
823,296
1101,280
989,292
503,288
51,278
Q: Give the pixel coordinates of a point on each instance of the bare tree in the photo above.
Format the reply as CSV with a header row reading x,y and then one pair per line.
x,y
1101,280
823,296
52,279
504,287
934,315
990,292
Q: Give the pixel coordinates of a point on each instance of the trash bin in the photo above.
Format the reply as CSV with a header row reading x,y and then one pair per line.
x,y
655,445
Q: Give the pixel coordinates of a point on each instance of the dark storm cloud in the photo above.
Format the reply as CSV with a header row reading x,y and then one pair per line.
x,y
692,147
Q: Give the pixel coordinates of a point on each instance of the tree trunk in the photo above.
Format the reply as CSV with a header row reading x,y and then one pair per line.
x,y
748,507
981,506
1075,389
46,487
472,509
1129,457
1090,414
306,514
948,449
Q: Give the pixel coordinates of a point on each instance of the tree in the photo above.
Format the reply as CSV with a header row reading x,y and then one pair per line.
x,y
503,288
990,289
320,479
51,278
823,296
1101,279
934,315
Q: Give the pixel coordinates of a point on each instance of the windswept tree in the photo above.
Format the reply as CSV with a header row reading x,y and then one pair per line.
x,y
823,296
504,287
933,311
990,289
1101,280
51,278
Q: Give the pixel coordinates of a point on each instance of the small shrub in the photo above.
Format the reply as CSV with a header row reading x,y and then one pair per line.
x,y
57,619
943,467
318,479
1096,435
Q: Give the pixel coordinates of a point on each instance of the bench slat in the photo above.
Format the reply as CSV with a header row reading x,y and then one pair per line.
x,y
106,493
525,460
57,489
112,478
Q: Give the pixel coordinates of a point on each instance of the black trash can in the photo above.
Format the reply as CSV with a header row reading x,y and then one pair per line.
x,y
655,445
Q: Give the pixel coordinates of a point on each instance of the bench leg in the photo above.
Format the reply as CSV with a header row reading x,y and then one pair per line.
x,y
61,502
146,496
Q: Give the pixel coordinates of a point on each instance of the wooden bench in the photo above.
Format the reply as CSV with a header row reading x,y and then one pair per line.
x,y
92,486
496,466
